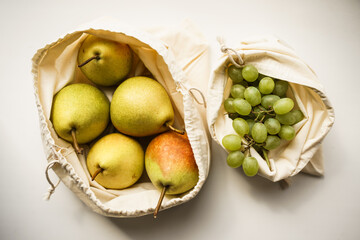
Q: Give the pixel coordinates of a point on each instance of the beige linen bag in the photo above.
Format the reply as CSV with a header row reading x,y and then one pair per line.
x,y
54,66
274,58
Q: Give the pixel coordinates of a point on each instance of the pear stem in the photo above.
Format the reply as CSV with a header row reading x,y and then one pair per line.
x,y
96,173
97,57
168,125
163,191
78,149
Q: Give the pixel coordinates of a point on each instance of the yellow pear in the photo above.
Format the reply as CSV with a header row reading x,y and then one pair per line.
x,y
103,61
141,107
116,161
80,113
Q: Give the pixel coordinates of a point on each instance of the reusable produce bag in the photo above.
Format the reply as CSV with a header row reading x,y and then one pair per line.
x,y
274,58
170,62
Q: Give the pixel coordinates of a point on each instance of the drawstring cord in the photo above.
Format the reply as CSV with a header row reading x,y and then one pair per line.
x,y
52,187
194,97
230,52
182,88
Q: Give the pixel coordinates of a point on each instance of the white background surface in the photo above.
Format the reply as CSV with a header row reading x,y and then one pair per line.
x,y
326,34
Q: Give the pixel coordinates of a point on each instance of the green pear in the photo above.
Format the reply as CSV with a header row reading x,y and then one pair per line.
x,y
103,61
170,164
141,107
80,113
116,161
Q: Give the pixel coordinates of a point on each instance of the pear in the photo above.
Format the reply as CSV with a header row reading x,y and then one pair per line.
x,y
170,165
103,61
140,107
116,161
80,113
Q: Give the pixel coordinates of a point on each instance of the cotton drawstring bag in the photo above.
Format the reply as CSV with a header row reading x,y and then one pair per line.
x,y
54,67
273,57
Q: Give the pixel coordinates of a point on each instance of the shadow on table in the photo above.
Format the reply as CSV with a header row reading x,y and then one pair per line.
x,y
211,205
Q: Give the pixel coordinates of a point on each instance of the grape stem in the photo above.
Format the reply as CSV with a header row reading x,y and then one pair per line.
x,y
247,147
266,158
251,142
262,119
265,112
249,139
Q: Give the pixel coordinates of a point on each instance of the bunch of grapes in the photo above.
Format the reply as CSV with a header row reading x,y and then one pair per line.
x,y
262,116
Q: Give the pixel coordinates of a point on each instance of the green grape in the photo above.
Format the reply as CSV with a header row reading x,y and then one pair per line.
x,y
269,100
242,106
232,142
235,159
237,91
252,95
287,132
272,125
250,166
286,119
266,85
250,73
283,105
272,142
233,115
251,123
235,74
259,132
240,126
290,118
229,105
298,115
280,88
